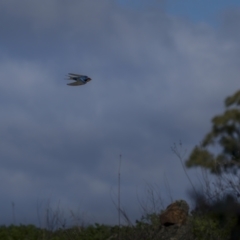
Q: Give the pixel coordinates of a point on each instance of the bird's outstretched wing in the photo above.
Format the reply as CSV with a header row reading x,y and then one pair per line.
x,y
75,84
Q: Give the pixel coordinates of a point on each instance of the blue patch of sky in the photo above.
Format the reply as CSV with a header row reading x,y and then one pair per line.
x,y
195,10
138,4
200,10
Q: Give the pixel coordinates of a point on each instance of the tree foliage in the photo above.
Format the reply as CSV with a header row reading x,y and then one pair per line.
x,y
226,133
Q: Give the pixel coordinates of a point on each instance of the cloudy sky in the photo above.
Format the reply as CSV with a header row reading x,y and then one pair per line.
x,y
160,71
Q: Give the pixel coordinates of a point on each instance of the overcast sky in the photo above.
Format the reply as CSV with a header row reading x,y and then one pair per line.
x,y
160,71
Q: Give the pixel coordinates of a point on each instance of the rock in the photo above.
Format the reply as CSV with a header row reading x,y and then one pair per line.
x,y
175,214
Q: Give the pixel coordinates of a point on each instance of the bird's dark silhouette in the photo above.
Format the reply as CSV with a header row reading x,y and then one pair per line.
x,y
78,78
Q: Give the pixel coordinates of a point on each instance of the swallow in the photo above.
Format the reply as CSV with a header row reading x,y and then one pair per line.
x,y
80,79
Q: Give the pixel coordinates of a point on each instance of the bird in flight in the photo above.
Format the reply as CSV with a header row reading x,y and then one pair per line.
x,y
79,79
